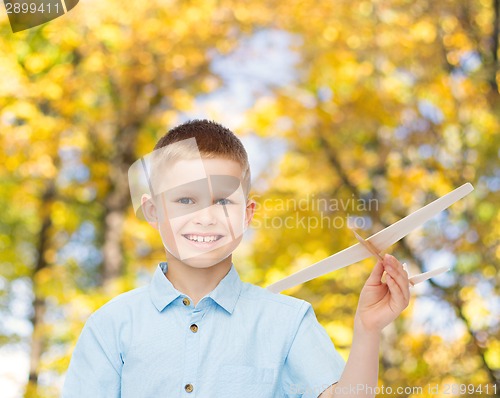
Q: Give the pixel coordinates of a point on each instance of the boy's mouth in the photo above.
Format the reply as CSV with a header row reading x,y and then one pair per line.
x,y
204,239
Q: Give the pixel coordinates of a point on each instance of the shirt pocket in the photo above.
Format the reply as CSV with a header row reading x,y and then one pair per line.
x,y
245,381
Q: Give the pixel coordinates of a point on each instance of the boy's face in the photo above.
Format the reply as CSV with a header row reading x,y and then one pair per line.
x,y
202,211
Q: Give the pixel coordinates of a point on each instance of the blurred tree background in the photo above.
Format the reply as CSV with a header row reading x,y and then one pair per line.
x,y
385,105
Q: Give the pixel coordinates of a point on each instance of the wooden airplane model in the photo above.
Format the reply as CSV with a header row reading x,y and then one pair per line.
x,y
376,243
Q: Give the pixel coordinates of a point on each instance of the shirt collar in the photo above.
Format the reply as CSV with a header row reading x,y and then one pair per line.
x,y
225,294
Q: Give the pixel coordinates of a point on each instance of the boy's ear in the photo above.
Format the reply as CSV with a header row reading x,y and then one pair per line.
x,y
250,210
149,210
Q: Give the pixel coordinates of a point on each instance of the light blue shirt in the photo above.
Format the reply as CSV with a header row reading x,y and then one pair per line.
x,y
240,340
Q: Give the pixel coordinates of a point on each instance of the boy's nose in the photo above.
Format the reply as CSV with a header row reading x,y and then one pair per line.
x,y
206,216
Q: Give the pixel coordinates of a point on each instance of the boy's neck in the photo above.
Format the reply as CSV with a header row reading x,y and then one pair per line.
x,y
196,282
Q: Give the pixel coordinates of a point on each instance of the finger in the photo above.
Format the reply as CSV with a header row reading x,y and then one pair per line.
x,y
376,274
393,260
401,279
399,275
397,297
396,265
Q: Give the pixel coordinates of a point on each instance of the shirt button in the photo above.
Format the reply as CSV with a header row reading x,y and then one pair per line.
x,y
188,388
186,301
194,328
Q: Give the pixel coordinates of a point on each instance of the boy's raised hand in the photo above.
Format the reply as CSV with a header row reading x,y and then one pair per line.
x,y
380,303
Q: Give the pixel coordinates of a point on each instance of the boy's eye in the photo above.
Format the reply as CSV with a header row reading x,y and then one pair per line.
x,y
223,202
185,201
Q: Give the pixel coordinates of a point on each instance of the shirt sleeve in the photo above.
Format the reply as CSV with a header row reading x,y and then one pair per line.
x,y
312,363
95,369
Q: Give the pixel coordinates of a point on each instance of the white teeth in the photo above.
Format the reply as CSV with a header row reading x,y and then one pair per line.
x,y
198,238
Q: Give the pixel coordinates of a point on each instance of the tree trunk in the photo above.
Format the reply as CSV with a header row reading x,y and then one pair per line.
x,y
38,340
117,203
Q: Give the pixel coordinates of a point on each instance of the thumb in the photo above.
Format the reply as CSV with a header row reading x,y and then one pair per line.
x,y
376,275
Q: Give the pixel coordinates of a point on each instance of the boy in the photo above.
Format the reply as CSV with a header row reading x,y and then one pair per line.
x,y
197,330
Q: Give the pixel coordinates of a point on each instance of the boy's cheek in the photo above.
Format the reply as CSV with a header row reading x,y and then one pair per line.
x,y
237,218
168,237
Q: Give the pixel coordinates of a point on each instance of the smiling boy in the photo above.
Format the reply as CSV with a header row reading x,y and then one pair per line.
x,y
197,330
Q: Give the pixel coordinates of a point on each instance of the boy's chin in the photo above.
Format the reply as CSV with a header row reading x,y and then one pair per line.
x,y
200,260
205,261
